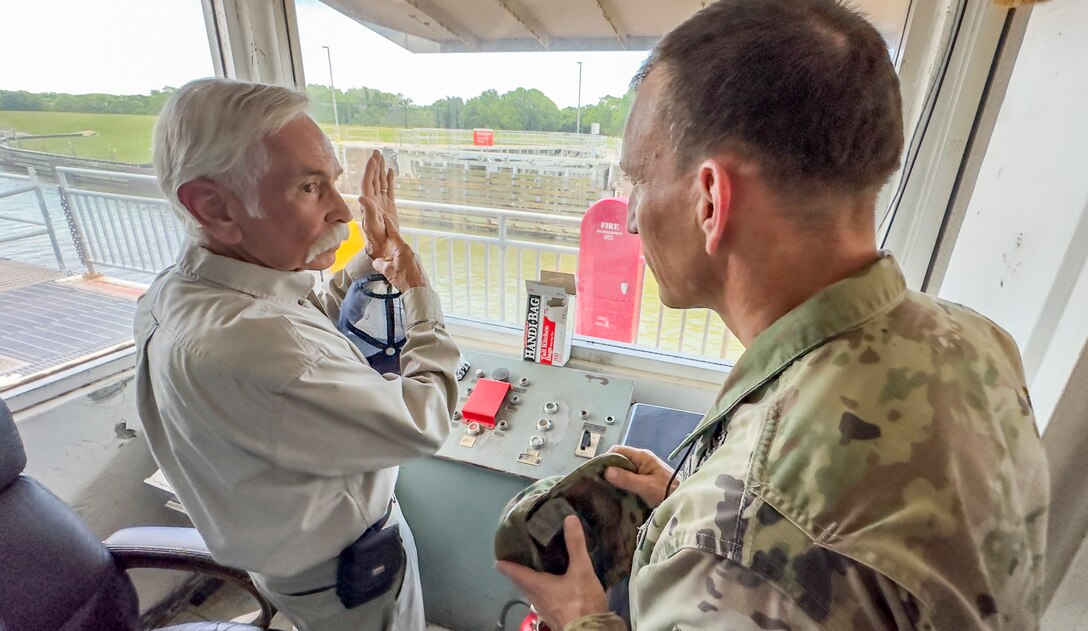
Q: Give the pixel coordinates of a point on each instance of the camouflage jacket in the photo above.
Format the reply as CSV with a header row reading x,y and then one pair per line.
x,y
872,462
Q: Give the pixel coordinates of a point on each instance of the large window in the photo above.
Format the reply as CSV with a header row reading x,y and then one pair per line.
x,y
500,155
81,87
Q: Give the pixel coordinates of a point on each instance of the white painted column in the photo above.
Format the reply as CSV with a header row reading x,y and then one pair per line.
x,y
1021,258
1020,255
255,40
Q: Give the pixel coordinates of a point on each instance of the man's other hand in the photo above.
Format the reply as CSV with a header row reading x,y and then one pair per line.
x,y
649,481
562,599
393,257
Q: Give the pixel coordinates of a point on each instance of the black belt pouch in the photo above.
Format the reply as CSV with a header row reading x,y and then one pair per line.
x,y
371,566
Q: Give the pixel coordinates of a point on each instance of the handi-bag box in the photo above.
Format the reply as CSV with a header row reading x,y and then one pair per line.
x,y
549,318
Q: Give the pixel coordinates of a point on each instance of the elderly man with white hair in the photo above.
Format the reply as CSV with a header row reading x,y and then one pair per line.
x,y
278,437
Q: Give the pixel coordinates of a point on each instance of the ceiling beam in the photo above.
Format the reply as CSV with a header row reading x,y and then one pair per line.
x,y
515,9
432,15
609,13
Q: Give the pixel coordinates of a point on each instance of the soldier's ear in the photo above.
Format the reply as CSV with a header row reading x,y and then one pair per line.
x,y
714,199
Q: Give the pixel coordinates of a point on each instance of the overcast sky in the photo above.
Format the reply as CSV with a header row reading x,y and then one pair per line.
x,y
133,46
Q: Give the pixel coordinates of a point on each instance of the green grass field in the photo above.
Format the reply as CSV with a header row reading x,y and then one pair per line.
x,y
120,137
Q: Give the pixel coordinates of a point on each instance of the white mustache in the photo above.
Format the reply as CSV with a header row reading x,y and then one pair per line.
x,y
331,238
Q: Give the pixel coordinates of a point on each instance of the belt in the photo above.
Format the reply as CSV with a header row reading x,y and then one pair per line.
x,y
375,527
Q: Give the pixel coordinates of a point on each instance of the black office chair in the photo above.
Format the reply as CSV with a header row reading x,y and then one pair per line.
x,y
55,574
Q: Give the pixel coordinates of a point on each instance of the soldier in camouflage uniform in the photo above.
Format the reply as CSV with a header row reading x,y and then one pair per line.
x,y
872,461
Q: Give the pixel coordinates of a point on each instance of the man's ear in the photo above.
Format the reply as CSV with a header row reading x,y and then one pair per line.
x,y
715,196
213,206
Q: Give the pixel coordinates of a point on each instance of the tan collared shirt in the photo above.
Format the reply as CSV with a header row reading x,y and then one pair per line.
x,y
278,437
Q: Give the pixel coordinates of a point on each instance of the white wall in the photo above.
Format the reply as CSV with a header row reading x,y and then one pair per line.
x,y
1020,254
1020,259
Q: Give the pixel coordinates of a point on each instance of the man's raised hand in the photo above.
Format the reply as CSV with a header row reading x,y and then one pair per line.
x,y
393,257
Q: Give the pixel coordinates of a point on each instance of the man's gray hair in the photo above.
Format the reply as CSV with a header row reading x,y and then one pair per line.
x,y
215,128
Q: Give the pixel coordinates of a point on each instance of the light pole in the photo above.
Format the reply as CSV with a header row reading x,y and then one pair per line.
x,y
335,112
578,121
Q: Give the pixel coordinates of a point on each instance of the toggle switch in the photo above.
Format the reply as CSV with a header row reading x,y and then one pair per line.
x,y
588,444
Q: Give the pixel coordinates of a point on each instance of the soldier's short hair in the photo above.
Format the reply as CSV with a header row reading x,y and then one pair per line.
x,y
806,88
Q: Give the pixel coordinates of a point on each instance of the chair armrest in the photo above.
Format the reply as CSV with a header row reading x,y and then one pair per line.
x,y
183,549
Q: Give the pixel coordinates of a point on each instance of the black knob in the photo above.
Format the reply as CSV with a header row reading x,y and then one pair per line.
x,y
500,374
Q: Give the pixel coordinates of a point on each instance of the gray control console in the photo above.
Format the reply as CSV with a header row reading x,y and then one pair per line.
x,y
549,421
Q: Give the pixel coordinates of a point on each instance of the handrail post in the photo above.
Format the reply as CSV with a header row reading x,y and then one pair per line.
x,y
73,222
33,173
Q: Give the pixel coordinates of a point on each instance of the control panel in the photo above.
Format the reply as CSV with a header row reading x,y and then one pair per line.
x,y
534,420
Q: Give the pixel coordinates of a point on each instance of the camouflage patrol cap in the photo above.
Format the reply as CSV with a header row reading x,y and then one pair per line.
x,y
531,527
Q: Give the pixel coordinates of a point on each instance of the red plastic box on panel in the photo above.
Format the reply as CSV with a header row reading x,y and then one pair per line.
x,y
483,404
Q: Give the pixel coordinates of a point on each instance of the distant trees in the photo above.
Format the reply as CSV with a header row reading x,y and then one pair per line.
x,y
21,101
520,109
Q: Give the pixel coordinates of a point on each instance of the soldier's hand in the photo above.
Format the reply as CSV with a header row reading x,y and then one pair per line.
x,y
649,481
393,257
562,599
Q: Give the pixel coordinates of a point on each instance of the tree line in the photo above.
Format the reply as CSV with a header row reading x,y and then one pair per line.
x,y
520,109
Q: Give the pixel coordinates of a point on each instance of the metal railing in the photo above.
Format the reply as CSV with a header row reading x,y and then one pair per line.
x,y
477,258
129,232
603,147
45,225
454,279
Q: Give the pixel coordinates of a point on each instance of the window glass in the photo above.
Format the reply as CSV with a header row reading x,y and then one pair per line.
x,y
81,87
499,156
